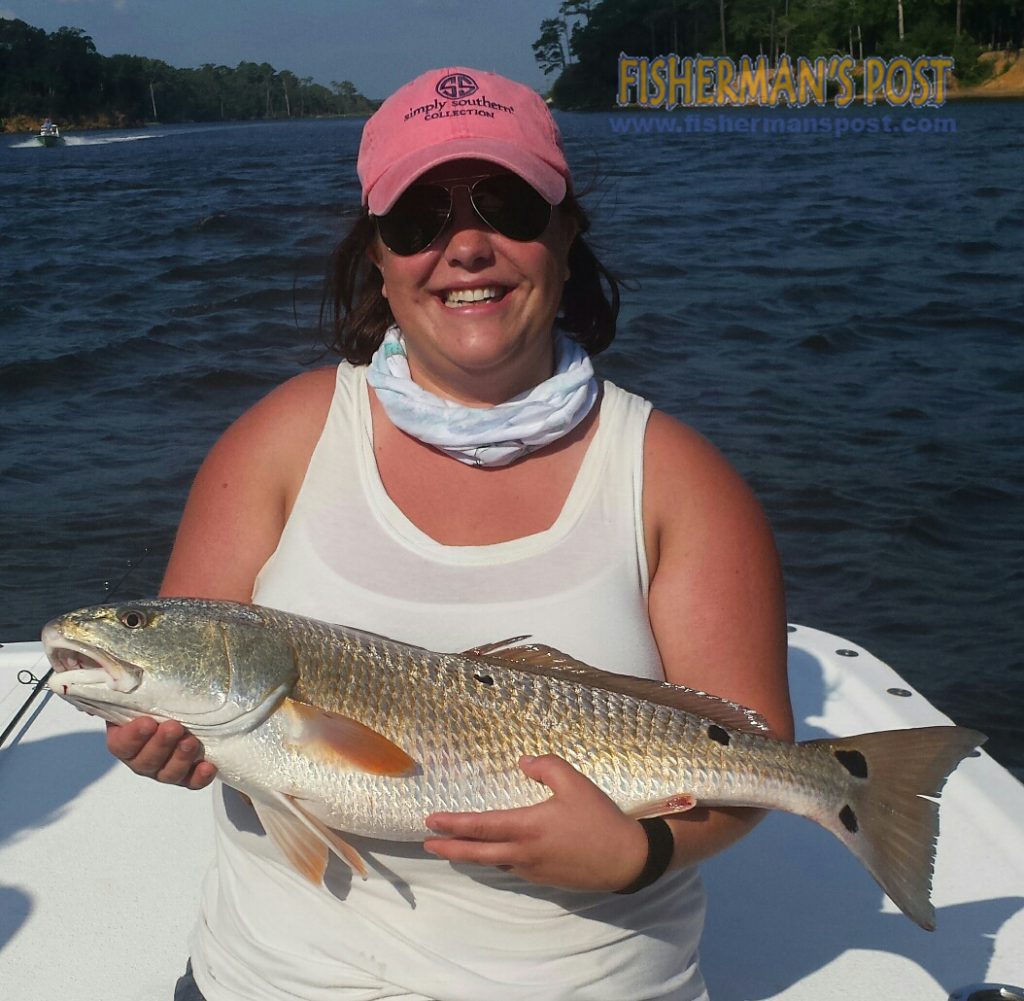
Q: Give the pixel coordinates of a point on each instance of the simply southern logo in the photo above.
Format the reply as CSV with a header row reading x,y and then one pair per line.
x,y
457,89
456,86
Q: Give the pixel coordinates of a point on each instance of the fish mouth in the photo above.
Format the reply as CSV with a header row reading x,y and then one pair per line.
x,y
79,669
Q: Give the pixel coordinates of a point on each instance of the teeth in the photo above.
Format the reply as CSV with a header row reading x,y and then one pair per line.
x,y
72,667
460,297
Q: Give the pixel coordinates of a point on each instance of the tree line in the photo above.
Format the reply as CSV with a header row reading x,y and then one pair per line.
x,y
61,75
582,43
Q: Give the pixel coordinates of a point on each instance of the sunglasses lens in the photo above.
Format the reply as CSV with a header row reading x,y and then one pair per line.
x,y
511,207
415,219
505,202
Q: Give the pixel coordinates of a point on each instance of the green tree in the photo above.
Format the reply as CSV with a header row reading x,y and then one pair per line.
x,y
550,49
63,76
23,75
72,70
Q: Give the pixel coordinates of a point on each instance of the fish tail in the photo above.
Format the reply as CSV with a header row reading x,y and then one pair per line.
x,y
885,818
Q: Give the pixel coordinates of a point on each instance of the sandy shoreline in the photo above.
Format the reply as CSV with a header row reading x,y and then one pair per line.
x,y
1007,78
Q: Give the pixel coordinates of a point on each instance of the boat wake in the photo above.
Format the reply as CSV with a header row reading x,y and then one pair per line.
x,y
107,140
89,140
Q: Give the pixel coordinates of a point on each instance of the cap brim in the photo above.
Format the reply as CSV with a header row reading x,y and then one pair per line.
x,y
537,172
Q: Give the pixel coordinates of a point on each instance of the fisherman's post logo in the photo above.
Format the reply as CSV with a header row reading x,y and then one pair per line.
x,y
456,86
671,81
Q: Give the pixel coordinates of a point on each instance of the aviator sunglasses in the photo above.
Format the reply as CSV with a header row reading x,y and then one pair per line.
x,y
505,202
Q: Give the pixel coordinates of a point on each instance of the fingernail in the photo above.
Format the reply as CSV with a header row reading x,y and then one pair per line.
x,y
527,759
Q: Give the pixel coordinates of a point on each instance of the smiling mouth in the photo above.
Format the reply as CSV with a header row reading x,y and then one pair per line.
x,y
460,297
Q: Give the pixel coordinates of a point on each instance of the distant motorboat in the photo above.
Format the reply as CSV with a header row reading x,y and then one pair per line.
x,y
49,135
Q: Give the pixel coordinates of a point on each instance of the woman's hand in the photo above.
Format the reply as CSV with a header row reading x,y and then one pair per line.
x,y
166,752
577,839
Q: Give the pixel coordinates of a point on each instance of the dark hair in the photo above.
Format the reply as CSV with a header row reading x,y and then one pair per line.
x,y
359,314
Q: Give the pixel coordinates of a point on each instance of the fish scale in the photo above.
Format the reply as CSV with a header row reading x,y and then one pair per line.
x,y
331,729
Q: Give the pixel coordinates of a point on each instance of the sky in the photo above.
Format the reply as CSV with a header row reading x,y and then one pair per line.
x,y
377,44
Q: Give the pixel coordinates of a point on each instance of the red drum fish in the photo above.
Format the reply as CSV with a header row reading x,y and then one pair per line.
x,y
329,729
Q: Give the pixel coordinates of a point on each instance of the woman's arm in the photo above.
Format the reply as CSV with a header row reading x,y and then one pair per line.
x,y
716,600
236,511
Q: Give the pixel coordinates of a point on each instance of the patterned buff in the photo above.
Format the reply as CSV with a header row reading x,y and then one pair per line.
x,y
485,436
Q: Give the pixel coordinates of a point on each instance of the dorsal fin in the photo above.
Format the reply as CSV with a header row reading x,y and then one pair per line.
x,y
536,658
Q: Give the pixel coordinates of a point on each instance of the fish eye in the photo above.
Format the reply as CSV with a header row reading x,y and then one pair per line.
x,y
132,618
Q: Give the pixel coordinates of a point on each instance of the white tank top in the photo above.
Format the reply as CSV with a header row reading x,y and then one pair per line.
x,y
421,928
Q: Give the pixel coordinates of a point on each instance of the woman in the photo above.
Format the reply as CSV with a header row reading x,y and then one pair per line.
x,y
473,482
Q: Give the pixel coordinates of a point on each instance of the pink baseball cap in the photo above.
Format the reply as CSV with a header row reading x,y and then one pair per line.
x,y
456,114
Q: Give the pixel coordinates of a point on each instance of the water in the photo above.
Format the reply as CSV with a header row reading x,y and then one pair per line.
x,y
843,317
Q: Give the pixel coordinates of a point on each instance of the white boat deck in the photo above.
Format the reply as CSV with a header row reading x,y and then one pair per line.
x,y
99,871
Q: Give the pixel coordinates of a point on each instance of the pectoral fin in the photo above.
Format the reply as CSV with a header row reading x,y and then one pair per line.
x,y
331,736
304,839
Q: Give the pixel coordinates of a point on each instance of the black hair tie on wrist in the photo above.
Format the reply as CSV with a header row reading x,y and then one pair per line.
x,y
660,847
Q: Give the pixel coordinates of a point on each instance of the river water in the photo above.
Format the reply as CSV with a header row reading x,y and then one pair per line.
x,y
842,315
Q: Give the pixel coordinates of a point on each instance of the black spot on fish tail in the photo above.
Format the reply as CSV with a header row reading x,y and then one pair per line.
x,y
849,819
719,735
484,679
854,762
